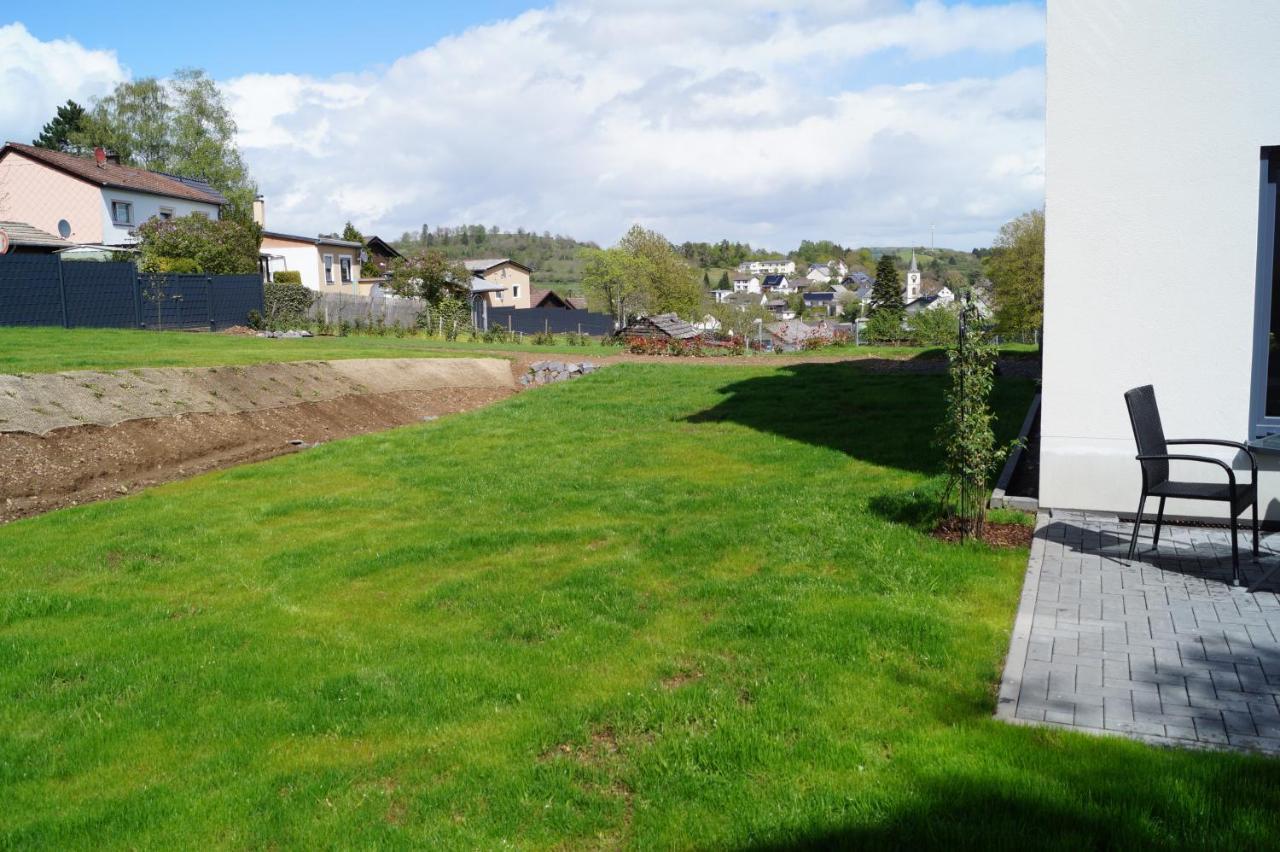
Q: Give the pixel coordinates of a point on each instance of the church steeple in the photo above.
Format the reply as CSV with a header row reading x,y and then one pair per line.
x,y
913,281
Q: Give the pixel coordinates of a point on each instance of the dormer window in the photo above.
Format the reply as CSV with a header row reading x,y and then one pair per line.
x,y
121,213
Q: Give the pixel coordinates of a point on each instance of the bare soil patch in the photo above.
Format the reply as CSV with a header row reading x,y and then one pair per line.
x,y
79,464
996,535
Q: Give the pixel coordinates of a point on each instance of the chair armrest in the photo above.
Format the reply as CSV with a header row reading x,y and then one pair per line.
x,y
1231,474
1215,442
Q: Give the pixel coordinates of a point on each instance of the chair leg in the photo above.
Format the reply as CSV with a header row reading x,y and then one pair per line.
x,y
1155,540
1235,553
1137,524
1255,527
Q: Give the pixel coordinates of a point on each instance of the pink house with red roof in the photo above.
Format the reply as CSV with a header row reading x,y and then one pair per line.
x,y
93,200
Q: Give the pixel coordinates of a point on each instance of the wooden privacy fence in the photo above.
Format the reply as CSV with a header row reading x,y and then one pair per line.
x,y
43,289
337,308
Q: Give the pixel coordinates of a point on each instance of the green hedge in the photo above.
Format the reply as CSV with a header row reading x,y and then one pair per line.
x,y
285,304
287,276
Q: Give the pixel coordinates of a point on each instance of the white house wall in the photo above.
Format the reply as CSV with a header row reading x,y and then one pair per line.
x,y
1156,113
144,207
304,259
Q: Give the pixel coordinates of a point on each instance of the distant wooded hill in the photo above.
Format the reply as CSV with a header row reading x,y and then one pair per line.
x,y
552,257
556,265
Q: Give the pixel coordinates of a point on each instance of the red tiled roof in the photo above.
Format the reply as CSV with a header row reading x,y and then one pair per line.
x,y
118,176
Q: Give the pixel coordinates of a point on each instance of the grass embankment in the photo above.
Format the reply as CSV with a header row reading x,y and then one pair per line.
x,y
661,606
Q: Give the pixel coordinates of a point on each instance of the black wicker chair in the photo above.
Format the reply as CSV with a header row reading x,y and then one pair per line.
x,y
1154,456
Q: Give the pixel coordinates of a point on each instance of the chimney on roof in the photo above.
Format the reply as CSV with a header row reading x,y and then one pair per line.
x,y
100,156
260,211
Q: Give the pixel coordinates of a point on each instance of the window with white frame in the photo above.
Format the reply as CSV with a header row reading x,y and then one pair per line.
x,y
344,266
122,212
166,212
328,269
1264,397
515,291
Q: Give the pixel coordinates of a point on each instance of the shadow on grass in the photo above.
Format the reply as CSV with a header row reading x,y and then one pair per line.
x,y
1036,789
882,411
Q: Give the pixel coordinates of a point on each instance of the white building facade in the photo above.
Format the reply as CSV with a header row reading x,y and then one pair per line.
x,y
768,267
1160,122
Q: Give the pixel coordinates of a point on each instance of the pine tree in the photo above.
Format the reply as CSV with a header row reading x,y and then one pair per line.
x,y
56,135
724,282
886,293
706,280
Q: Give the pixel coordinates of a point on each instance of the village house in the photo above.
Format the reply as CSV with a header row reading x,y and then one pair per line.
x,y
780,308
768,267
325,264
512,278
937,297
540,297
94,200
742,301
778,283
379,256
818,274
746,284
825,301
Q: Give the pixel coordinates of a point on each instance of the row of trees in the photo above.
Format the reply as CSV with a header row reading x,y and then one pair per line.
x,y
180,126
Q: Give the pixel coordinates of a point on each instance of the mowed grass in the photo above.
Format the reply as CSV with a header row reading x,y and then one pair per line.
x,y
659,606
47,350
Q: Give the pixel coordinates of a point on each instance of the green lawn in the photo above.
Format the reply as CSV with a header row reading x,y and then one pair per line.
x,y
45,350
659,606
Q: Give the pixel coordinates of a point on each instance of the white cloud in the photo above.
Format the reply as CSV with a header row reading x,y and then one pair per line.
x,y
743,119
38,76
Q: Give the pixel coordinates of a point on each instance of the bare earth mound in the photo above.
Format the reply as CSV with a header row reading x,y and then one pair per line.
x,y
76,437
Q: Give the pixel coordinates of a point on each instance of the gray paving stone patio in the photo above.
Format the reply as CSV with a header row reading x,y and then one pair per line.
x,y
1164,649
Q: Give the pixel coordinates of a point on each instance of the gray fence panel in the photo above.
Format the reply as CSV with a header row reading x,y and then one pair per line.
x,y
234,296
100,294
45,290
534,320
30,292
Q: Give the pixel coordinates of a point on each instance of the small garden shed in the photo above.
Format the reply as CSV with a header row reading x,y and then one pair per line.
x,y
661,326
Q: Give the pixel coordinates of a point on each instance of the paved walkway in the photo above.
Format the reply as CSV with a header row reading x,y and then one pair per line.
x,y
1164,650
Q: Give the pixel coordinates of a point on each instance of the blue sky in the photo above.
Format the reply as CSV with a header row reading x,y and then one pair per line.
x,y
862,121
220,42
233,37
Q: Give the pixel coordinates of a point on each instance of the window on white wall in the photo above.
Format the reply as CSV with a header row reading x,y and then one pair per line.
x,y
122,213
166,212
328,269
1264,403
515,291
344,264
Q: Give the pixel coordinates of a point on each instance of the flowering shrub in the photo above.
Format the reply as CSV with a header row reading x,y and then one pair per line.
x,y
198,244
665,346
839,338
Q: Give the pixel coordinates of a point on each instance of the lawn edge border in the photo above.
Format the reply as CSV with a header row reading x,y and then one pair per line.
x,y
1020,638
